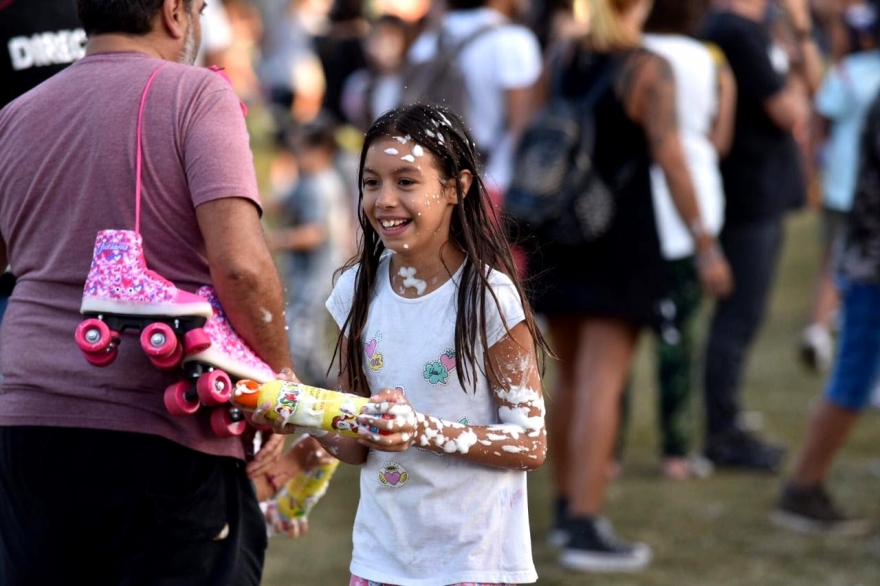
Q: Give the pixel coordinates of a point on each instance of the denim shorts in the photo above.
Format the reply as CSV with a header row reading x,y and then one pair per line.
x,y
858,357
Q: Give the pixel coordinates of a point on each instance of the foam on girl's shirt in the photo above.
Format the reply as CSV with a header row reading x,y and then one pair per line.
x,y
409,279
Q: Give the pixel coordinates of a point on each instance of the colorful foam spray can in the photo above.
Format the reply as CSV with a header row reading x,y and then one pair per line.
x,y
302,405
304,490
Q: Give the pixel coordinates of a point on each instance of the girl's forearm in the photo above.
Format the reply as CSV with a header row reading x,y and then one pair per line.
x,y
515,447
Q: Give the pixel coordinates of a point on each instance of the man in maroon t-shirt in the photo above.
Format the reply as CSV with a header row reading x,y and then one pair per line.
x,y
90,455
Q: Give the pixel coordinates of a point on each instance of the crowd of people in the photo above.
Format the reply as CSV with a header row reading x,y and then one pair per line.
x,y
365,250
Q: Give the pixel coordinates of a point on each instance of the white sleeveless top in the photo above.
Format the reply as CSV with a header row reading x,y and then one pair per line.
x,y
696,81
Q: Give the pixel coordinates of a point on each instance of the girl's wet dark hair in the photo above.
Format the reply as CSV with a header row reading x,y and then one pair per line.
x,y
475,228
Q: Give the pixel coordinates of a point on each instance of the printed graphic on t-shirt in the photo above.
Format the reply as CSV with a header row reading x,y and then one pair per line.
x,y
778,59
392,474
375,359
46,48
438,371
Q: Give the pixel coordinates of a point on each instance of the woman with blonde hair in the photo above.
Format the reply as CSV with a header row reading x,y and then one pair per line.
x,y
597,297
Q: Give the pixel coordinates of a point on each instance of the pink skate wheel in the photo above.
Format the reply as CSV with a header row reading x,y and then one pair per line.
x,y
177,402
196,341
214,387
158,340
102,357
168,362
223,425
92,336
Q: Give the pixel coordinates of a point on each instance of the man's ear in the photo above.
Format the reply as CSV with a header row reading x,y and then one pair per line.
x,y
174,18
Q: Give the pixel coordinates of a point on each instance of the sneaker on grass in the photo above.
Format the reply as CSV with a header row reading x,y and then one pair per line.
x,y
593,547
811,510
559,533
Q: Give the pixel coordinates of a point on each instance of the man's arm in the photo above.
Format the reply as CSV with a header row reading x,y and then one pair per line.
x,y
4,262
245,276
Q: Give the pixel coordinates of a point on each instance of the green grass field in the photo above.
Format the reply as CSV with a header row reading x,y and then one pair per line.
x,y
704,532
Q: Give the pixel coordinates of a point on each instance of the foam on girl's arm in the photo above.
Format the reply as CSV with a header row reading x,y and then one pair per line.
x,y
519,440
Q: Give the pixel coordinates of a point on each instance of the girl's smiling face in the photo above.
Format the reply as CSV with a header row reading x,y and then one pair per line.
x,y
406,199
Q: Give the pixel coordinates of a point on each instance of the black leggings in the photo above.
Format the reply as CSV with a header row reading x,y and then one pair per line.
x,y
104,507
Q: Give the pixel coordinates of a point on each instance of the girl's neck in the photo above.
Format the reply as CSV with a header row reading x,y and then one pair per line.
x,y
414,277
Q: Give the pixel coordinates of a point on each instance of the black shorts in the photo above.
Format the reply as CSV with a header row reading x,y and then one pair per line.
x,y
103,507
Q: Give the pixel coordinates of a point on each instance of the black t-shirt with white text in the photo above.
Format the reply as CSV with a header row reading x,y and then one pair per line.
x,y
763,173
38,38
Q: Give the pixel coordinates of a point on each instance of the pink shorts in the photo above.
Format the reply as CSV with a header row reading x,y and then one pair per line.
x,y
356,581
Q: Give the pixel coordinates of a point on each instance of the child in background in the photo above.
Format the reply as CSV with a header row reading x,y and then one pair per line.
x,y
315,237
375,89
436,329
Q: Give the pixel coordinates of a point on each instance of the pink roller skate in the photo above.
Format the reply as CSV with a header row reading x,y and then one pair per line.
x,y
121,293
213,371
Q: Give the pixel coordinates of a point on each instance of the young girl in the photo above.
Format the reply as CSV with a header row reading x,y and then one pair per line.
x,y
436,328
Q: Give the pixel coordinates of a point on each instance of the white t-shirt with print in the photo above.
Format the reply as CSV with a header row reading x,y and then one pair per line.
x,y
503,59
424,518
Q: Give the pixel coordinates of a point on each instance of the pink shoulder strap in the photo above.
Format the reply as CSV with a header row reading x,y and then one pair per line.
x,y
137,188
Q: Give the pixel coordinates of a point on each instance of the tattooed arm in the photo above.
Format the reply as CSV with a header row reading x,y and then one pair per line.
x,y
518,442
647,86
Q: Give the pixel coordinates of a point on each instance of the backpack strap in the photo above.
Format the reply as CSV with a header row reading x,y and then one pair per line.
x,y
456,49
606,75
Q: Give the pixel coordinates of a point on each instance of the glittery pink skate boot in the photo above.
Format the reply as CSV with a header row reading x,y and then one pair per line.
x,y
213,371
121,293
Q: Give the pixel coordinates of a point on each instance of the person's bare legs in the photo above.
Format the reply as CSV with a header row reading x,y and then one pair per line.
x,y
817,345
563,330
604,356
828,429
826,298
601,365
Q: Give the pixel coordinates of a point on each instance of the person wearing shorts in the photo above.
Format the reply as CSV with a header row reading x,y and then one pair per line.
x,y
804,504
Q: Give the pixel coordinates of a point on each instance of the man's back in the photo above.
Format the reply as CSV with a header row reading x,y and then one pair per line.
x,y
67,170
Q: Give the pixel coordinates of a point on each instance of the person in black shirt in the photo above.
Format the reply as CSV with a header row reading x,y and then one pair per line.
x,y
38,40
763,179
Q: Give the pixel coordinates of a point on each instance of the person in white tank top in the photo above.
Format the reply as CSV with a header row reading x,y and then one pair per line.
x,y
705,103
